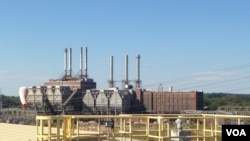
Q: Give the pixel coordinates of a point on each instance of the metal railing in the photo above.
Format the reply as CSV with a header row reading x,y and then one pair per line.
x,y
161,127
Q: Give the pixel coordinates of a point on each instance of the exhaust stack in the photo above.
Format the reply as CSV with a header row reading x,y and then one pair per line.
x,y
138,81
86,62
111,81
81,63
65,61
70,62
126,70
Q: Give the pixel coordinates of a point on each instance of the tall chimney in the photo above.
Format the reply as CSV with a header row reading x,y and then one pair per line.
x,y
86,62
81,62
138,81
65,61
70,62
126,70
111,82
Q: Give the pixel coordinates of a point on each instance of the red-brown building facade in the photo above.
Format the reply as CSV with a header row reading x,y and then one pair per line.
x,y
169,101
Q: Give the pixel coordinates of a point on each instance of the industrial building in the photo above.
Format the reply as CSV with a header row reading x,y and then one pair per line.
x,y
107,101
170,101
63,95
77,94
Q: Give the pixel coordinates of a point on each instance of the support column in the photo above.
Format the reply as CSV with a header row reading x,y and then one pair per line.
x,y
204,128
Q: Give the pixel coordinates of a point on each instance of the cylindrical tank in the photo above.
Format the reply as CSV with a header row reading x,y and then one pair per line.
x,y
23,92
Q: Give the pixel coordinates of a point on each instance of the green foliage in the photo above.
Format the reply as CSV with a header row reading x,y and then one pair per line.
x,y
10,101
214,100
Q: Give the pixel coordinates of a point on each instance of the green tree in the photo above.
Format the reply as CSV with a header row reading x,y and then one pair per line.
x,y
10,101
214,100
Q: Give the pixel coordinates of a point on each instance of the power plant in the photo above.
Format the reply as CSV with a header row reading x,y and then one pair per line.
x,y
77,94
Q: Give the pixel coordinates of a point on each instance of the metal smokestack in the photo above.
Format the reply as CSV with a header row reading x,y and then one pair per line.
x,y
111,82
81,63
70,62
65,61
138,81
86,62
126,70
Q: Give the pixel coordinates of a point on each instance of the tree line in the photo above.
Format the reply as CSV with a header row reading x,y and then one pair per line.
x,y
214,100
10,101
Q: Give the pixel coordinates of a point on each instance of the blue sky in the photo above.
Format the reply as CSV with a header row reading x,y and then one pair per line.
x,y
187,44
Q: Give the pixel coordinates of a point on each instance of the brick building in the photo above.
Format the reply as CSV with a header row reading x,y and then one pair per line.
x,y
170,101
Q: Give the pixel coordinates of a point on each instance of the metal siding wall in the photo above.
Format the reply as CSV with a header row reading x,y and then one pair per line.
x,y
115,100
50,94
39,96
88,99
127,103
31,95
65,93
57,95
101,100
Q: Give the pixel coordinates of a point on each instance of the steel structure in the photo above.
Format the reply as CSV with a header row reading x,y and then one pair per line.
x,y
205,127
77,94
106,102
63,95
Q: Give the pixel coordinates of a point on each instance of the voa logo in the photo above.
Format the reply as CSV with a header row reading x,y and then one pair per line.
x,y
236,132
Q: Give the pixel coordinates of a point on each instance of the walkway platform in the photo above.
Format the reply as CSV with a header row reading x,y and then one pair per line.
x,y
205,127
